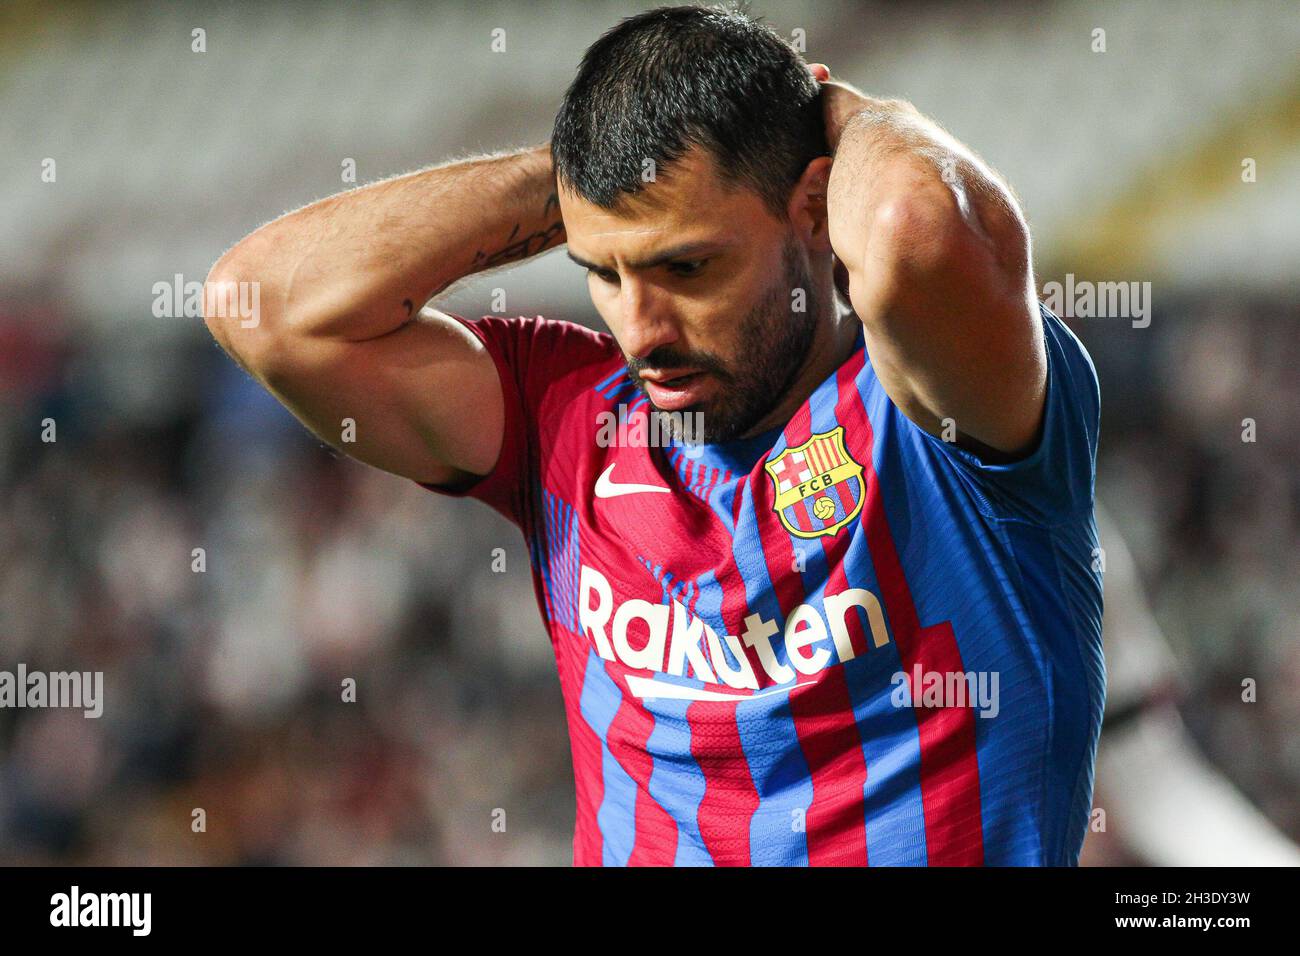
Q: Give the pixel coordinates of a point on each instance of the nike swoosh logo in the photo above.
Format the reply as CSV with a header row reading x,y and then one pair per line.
x,y
605,487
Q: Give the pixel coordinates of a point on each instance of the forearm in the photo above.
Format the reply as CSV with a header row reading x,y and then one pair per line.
x,y
937,256
903,186
358,265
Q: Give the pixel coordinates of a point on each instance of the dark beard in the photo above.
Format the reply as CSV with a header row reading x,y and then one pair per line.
x,y
778,340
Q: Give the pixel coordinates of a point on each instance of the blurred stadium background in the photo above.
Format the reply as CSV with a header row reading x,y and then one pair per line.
x,y
222,688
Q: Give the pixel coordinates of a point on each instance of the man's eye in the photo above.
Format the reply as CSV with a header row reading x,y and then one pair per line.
x,y
604,275
688,267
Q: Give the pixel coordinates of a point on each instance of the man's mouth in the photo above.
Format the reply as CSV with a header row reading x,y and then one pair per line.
x,y
671,379
675,389
664,375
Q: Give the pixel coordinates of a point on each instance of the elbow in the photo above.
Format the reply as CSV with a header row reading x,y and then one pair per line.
x,y
909,239
234,313
924,256
220,293
942,232
921,231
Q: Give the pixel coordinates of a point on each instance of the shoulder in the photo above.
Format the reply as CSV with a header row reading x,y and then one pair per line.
x,y
1062,340
536,336
1073,375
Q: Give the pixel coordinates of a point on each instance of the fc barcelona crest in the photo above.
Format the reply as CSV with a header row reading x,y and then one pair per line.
x,y
819,487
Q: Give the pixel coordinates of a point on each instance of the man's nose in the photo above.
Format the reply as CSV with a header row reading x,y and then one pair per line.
x,y
647,320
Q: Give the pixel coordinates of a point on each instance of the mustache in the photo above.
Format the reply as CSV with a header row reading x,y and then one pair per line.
x,y
668,358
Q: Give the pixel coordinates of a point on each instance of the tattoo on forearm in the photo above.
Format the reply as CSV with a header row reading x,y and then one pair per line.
x,y
521,248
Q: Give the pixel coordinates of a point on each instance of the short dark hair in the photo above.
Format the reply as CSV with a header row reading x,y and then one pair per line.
x,y
671,78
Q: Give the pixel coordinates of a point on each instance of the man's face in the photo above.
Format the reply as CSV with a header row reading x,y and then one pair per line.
x,y
698,285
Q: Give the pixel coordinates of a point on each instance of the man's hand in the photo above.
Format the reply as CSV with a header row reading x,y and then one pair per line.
x,y
841,102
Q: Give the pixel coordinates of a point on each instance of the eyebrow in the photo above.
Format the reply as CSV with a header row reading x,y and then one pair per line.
x,y
683,251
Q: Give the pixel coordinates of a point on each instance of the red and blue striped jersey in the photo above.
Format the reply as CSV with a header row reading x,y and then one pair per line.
x,y
845,641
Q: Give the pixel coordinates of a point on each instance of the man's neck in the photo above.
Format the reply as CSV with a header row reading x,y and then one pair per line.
x,y
833,343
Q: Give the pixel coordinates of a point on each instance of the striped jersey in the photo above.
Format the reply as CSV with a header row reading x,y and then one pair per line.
x,y
844,641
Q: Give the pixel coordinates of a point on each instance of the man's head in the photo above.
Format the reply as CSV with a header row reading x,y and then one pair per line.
x,y
691,162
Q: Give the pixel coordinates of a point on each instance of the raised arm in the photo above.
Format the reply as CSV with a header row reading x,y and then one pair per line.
x,y
939,270
342,334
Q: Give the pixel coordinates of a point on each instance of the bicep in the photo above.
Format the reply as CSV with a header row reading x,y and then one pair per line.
x,y
423,401
944,292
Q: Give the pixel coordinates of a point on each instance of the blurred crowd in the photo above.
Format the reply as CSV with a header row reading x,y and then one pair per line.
x,y
1198,468
338,676
312,662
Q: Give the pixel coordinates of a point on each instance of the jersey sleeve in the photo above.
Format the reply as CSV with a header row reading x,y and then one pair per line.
x,y
1055,481
532,357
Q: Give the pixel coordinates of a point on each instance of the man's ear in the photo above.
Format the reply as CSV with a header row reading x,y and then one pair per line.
x,y
807,205
841,274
